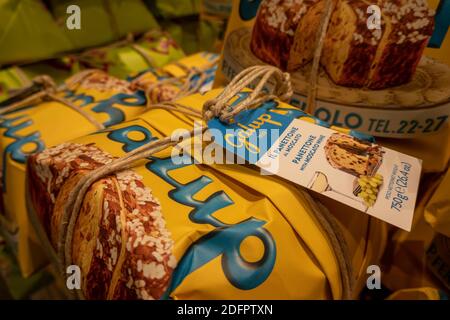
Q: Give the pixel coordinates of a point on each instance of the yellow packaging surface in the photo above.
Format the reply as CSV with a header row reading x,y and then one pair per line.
x,y
406,257
108,100
32,129
250,236
437,211
438,259
437,215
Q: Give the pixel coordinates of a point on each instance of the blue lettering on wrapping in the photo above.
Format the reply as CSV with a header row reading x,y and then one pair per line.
x,y
122,136
86,99
248,9
15,149
116,115
225,240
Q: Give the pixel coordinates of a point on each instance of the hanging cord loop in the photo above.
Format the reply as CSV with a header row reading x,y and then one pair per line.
x,y
282,89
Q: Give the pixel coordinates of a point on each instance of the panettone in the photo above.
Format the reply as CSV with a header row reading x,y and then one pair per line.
x,y
274,29
353,55
357,157
350,46
408,28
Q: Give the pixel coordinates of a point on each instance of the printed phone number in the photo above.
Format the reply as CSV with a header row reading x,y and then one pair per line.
x,y
407,126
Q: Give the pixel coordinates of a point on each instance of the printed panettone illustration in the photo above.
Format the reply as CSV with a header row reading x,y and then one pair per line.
x,y
274,30
355,156
375,60
359,158
354,55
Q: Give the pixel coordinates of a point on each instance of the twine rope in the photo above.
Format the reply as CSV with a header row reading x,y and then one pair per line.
x,y
337,241
325,218
282,90
49,92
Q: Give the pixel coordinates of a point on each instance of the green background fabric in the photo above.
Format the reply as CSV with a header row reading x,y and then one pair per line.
x,y
28,32
174,8
193,35
103,21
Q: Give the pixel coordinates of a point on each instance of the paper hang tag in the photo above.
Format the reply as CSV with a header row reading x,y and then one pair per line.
x,y
344,165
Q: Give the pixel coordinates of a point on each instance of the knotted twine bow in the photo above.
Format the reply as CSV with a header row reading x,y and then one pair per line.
x,y
217,107
50,92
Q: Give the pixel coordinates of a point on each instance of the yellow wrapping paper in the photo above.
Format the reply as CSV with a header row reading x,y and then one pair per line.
x,y
407,253
437,215
165,83
438,260
31,129
250,236
426,293
437,211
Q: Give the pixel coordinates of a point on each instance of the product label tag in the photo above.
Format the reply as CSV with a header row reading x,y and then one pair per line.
x,y
343,166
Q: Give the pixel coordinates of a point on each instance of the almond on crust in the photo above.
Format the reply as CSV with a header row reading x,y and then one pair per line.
x,y
120,240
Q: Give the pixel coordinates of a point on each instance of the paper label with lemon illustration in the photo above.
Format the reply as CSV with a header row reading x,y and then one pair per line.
x,y
343,166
